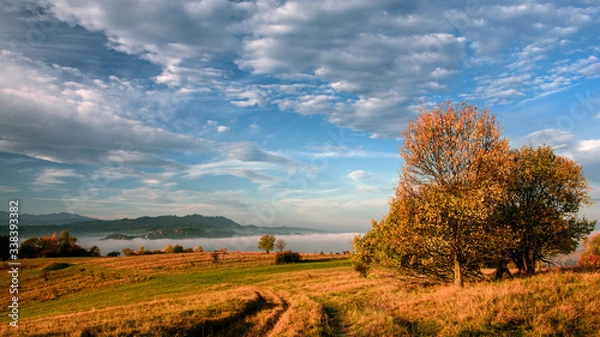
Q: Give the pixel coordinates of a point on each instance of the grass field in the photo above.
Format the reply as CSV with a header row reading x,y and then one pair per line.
x,y
245,294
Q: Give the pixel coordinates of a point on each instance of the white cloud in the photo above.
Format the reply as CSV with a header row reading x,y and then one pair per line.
x,y
590,145
360,175
551,137
262,173
8,189
222,128
53,176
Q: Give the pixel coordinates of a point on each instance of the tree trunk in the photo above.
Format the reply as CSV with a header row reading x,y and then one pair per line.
x,y
458,279
529,265
502,269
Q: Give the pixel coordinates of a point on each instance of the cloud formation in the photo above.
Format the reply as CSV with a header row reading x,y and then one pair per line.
x,y
371,63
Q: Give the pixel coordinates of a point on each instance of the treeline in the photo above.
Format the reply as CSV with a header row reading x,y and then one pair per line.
x,y
167,250
54,245
465,201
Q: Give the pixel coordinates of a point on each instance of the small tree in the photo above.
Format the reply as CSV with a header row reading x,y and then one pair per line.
x,y
127,251
94,251
198,249
266,243
169,249
280,244
30,248
113,254
178,249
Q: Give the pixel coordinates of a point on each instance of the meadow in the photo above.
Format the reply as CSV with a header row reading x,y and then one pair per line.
x,y
246,294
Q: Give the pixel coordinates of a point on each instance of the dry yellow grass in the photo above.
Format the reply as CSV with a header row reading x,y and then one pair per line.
x,y
246,295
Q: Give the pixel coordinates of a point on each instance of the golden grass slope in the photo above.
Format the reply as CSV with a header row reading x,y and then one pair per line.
x,y
246,295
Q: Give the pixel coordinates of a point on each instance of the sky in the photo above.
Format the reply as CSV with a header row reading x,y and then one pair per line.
x,y
273,112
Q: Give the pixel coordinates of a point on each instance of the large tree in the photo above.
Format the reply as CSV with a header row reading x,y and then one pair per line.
x,y
439,221
545,192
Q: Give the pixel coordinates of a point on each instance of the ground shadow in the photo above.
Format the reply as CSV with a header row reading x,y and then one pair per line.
x,y
418,327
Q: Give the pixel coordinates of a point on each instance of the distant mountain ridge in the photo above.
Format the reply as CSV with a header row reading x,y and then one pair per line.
x,y
160,227
49,219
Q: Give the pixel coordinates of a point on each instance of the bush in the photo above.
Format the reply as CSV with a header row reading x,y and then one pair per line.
x,y
591,256
287,257
177,249
188,250
127,252
115,253
361,268
198,249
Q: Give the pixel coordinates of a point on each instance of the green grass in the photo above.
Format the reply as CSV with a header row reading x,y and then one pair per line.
x,y
157,288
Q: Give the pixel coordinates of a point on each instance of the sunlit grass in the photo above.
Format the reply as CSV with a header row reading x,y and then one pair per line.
x,y
247,295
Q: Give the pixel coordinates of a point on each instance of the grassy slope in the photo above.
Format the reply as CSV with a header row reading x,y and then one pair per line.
x,y
186,294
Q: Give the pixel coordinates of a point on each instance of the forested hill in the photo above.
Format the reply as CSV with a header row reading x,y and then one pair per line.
x,y
49,219
169,226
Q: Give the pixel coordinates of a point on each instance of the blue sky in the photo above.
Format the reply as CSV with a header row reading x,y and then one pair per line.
x,y
273,112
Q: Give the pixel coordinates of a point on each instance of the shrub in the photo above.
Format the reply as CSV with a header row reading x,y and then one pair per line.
x,y
591,256
223,249
178,249
361,268
115,253
198,249
287,257
188,250
215,257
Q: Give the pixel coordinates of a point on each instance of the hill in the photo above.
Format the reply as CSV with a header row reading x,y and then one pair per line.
x,y
161,227
49,219
245,294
